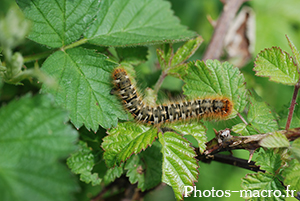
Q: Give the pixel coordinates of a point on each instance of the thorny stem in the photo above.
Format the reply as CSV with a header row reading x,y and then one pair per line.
x,y
292,107
242,118
215,47
160,81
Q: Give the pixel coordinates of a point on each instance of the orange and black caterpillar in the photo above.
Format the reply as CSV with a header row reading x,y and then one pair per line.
x,y
212,108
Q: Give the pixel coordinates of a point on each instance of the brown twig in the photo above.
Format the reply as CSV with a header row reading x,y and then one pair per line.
x,y
224,141
215,47
231,160
292,107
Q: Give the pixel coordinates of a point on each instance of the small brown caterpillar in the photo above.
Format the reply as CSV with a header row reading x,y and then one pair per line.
x,y
212,108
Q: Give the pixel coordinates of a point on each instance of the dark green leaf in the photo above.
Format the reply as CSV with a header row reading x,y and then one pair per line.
x,y
127,139
260,117
260,184
82,162
195,129
268,160
296,149
136,22
84,79
113,173
179,163
292,175
145,168
34,136
215,79
58,23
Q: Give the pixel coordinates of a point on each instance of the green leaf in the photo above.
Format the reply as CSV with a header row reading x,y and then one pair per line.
x,y
179,163
215,79
259,185
268,160
82,162
244,129
260,117
195,129
275,140
294,50
296,149
145,168
127,139
113,173
277,65
58,23
292,175
136,22
84,79
186,51
34,136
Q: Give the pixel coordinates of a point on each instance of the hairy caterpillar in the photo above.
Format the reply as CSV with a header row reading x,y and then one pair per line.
x,y
213,108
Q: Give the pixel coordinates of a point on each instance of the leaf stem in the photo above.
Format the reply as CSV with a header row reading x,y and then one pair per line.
x,y
36,57
292,107
42,55
159,82
242,118
75,44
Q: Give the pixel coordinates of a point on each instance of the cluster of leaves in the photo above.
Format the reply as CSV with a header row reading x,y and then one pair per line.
x,y
34,132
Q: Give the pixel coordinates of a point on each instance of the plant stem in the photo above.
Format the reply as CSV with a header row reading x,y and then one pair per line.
x,y
292,107
159,82
36,57
47,53
242,118
75,44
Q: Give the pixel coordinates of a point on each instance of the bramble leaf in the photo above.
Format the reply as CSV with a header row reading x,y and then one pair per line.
x,y
260,116
82,162
195,129
84,85
275,140
58,23
244,129
292,175
215,79
260,184
294,50
34,136
296,149
268,160
113,173
127,139
145,168
186,51
277,65
179,165
136,22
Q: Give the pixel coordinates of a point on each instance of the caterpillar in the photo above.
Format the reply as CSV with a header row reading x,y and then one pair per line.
x,y
211,108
